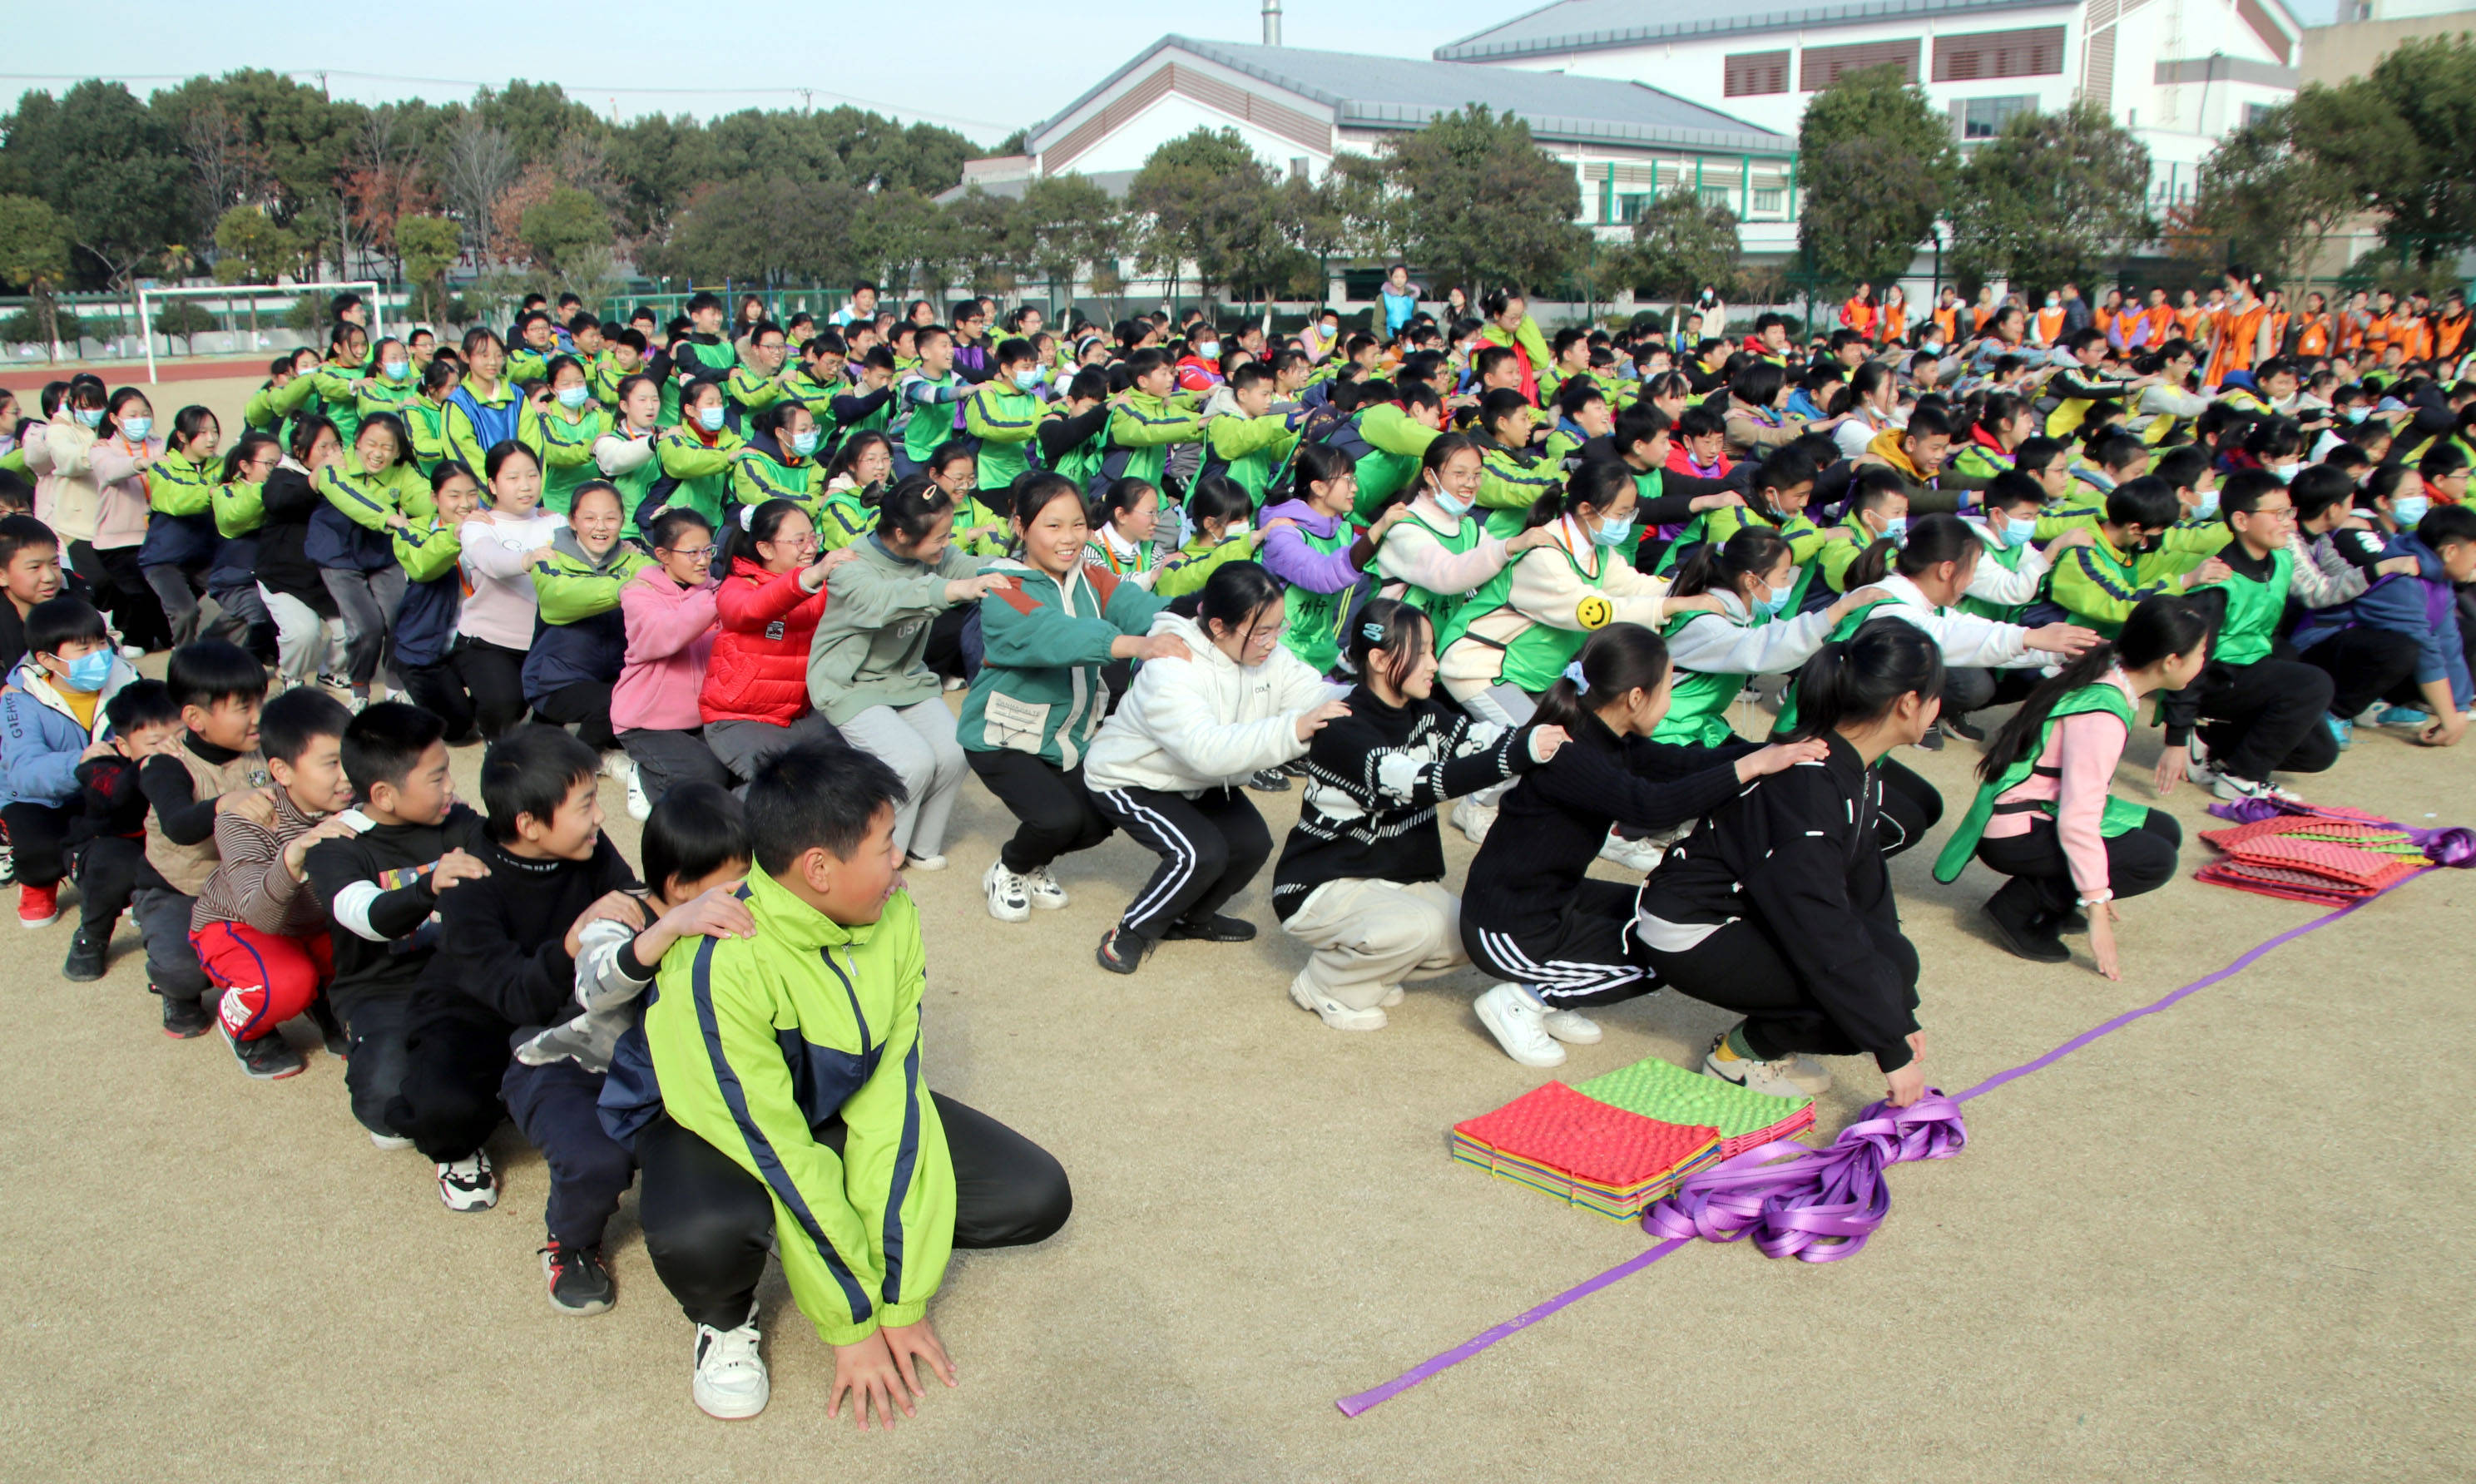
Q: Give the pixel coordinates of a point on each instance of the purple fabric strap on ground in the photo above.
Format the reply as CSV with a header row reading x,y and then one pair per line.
x,y
1353,1405
1816,1205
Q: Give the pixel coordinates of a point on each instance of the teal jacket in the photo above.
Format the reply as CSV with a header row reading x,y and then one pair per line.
x,y
1039,688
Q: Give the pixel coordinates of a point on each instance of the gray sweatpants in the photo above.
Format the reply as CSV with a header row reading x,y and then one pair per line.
x,y
917,741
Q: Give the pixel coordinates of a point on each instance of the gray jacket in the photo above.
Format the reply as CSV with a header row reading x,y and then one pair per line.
x,y
869,642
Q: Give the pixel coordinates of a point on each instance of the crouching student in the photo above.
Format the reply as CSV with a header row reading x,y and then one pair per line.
x,y
670,612
423,626
791,1110
2043,814
218,769
52,718
1779,906
1170,765
507,957
2401,641
1528,912
380,886
1038,700
107,841
582,641
753,699
1360,880
696,854
260,933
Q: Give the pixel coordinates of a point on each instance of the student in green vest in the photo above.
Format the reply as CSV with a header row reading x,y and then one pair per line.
x,y
1323,557
1004,412
1149,418
529,358
1253,448
757,382
1879,511
1074,430
1781,488
2044,815
782,462
699,451
340,377
925,398
1515,472
1439,556
563,432
2101,582
1218,513
701,353
288,387
1753,629
625,451
2264,709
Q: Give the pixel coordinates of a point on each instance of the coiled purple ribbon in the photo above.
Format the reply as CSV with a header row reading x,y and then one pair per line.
x,y
1815,1206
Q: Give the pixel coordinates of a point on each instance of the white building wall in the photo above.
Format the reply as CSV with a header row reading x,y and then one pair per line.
x,y
1127,146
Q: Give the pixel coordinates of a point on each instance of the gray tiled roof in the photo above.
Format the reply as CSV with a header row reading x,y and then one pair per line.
x,y
1589,25
1402,92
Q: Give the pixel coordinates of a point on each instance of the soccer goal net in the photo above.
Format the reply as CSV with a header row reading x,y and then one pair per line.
x,y
244,315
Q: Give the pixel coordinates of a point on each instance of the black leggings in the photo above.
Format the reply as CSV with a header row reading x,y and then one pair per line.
x,y
709,1222
447,1099
1057,814
37,834
587,703
438,689
495,678
2367,664
1210,847
2137,862
1740,968
1910,807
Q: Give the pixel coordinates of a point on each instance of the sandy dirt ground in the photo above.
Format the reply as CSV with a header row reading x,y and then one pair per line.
x,y
2212,1246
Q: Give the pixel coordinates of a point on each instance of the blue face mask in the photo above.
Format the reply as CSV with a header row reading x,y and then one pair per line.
x,y
572,397
2407,509
92,417
136,428
395,370
710,419
805,443
2208,507
2356,414
1026,381
1445,501
1775,602
87,672
2016,533
1897,528
1612,532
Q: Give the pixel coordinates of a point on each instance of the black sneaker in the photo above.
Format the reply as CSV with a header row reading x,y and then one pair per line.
x,y
1211,929
1960,727
2071,920
186,1019
579,1283
2020,934
1121,952
268,1058
322,1014
1932,741
1270,780
85,963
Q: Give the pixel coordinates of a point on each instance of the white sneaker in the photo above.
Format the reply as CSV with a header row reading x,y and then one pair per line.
x,y
1570,1027
1045,892
1339,1016
1474,819
731,1381
955,683
133,653
389,1141
911,862
469,1184
2197,765
1010,897
1776,1078
639,807
1638,857
1513,1018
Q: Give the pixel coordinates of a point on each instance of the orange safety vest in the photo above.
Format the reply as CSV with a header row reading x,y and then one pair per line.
x,y
1983,316
1858,316
2449,332
2351,331
2161,319
2235,338
2313,339
1948,322
2378,330
2278,332
2188,321
2050,324
2416,333
1893,322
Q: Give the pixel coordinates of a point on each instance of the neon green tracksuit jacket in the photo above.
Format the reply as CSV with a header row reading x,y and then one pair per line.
x,y
759,1042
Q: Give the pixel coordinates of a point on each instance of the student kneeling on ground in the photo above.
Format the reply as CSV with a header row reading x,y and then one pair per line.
x,y
793,1110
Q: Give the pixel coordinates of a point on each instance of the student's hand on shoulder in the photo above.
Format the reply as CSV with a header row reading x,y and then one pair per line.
x,y
539,554
1312,721
1850,602
1838,533
1779,756
2397,566
1545,741
2214,570
618,906
100,746
971,589
717,913
865,1371
1533,538
254,804
1726,499
1162,646
2078,535
913,1347
455,866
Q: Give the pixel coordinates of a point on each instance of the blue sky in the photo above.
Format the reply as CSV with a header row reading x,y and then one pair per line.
x,y
1017,62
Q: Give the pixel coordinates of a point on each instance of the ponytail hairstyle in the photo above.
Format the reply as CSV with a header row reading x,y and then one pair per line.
x,y
2159,625
755,523
245,448
1929,543
186,423
1599,483
1398,628
1233,595
1857,680
1718,566
846,460
1619,658
1318,463
441,373
911,507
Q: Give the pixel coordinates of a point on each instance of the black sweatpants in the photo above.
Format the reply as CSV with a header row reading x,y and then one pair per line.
x,y
1591,958
1910,807
454,1058
120,587
708,1223
2367,664
2265,717
374,1068
588,705
1054,811
2137,862
1740,968
1966,688
439,689
110,871
557,1108
1210,847
38,833
494,676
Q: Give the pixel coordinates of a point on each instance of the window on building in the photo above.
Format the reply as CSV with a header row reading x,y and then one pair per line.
x,y
1631,205
2038,52
1750,74
1820,67
1719,195
1770,198
2255,113
1983,118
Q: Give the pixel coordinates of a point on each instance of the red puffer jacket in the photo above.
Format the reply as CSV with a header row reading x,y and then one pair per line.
x,y
759,670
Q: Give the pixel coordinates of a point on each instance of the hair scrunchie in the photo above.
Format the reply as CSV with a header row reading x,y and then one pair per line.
x,y
1581,681
748,519
1374,632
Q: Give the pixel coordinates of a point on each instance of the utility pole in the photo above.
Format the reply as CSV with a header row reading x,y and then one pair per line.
x,y
322,87
807,99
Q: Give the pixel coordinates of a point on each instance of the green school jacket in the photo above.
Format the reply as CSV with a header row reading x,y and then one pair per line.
x,y
2100,586
1141,429
177,487
928,412
427,549
565,449
367,500
571,587
1005,419
1197,561
1253,451
761,477
759,1042
702,469
1510,481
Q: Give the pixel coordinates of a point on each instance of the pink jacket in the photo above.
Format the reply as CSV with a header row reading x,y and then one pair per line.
x,y
2084,750
670,637
121,518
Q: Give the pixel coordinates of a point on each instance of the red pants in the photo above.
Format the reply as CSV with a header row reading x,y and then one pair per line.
x,y
266,979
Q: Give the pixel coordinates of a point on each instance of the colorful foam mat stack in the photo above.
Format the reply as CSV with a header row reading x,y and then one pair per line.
x,y
2308,858
1621,1141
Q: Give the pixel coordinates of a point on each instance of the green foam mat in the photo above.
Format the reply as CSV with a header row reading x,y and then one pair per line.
x,y
1661,1089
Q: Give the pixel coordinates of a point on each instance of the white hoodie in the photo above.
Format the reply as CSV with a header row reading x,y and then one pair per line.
x,y
1207,722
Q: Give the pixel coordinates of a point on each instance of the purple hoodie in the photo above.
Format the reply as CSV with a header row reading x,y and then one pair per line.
x,y
1287,556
